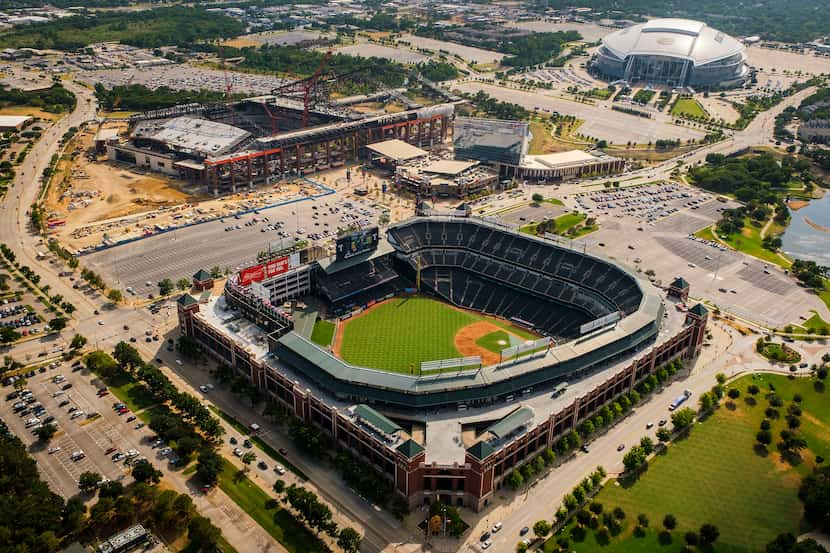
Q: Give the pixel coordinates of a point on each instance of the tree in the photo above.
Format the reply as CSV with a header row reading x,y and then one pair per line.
x,y
111,489
57,324
165,286
647,444
348,540
541,528
248,458
709,534
77,342
186,446
669,522
706,401
127,356
183,284
143,471
787,543
209,466
733,393
279,486
88,481
635,458
101,364
203,534
753,389
515,480
115,295
46,432
8,335
663,434
815,493
682,418
538,198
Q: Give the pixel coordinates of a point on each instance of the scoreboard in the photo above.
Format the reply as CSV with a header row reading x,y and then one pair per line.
x,y
356,243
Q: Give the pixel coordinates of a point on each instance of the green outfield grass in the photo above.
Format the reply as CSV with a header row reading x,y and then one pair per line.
x,y
323,333
401,333
715,476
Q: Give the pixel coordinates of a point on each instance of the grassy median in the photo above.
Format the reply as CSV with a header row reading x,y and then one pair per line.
x,y
279,523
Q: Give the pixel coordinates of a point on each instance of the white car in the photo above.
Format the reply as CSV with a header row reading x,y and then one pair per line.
x,y
131,453
496,528
164,452
279,469
76,414
486,544
238,452
204,389
53,450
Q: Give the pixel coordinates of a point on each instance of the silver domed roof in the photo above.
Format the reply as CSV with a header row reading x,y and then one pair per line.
x,y
682,38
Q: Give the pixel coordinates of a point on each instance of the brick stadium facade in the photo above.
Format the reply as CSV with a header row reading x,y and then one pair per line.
x,y
473,483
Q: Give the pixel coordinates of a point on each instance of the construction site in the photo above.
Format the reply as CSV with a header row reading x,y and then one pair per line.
x,y
302,127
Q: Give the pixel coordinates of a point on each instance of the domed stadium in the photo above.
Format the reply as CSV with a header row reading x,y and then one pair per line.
x,y
673,52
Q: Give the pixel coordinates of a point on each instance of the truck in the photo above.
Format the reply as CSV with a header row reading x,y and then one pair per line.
x,y
678,401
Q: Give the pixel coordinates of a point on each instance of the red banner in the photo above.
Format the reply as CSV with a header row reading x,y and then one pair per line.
x,y
251,274
277,266
263,270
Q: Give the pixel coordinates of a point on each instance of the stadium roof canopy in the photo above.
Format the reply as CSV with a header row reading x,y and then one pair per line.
x,y
193,134
512,422
397,150
680,38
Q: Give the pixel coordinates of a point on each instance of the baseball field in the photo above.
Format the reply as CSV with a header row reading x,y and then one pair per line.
x,y
398,334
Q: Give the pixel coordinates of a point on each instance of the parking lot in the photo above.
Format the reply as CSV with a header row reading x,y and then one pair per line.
x,y
228,242
183,77
599,121
86,422
650,228
647,203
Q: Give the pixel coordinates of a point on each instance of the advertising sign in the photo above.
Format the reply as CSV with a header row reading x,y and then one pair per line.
x,y
357,243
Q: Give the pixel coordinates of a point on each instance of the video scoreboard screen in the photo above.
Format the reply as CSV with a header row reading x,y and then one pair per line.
x,y
356,243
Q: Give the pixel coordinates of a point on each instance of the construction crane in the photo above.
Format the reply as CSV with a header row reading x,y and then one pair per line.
x,y
309,89
226,74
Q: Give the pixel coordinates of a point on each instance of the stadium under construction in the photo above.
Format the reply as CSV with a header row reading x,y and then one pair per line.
x,y
232,146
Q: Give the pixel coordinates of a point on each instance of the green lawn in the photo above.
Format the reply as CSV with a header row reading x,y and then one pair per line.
x,y
715,476
749,242
281,524
397,335
131,392
688,107
323,333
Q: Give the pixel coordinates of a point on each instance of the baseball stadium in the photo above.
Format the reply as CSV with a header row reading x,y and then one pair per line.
x,y
447,342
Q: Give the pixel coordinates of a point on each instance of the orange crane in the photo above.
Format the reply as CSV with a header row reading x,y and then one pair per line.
x,y
309,89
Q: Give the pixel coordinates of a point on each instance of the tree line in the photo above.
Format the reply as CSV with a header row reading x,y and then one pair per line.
x,y
33,518
55,99
168,26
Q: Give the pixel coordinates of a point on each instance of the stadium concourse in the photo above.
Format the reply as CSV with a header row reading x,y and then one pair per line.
x,y
603,330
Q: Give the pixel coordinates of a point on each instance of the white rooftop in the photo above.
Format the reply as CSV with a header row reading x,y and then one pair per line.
x,y
559,159
13,120
194,134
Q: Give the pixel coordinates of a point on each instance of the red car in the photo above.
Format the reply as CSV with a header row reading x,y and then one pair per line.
x,y
123,410
110,450
103,392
